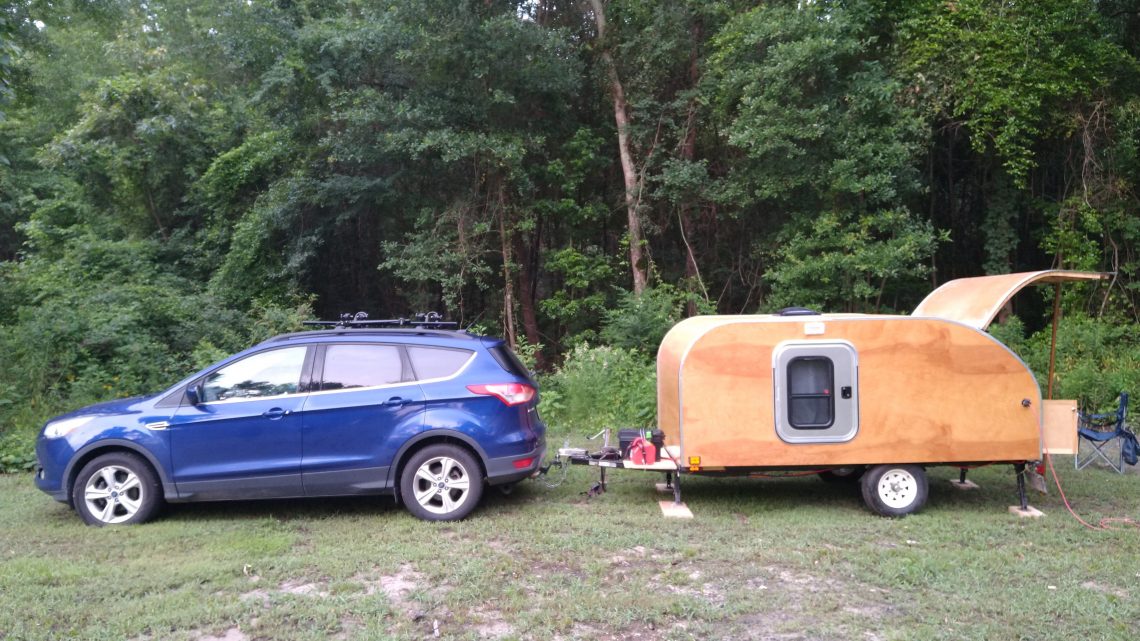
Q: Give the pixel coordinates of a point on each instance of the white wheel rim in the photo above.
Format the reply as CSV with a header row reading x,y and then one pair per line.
x,y
113,494
898,488
441,485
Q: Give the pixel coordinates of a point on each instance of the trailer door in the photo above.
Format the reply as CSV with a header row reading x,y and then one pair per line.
x,y
816,391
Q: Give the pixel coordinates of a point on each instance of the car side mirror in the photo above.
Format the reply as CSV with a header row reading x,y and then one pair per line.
x,y
194,394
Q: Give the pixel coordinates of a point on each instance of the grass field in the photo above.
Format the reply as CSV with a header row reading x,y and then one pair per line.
x,y
763,559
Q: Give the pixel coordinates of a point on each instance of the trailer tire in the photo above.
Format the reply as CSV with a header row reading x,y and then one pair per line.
x,y
850,474
895,490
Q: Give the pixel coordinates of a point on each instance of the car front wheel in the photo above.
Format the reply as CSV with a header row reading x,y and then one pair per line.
x,y
116,489
441,483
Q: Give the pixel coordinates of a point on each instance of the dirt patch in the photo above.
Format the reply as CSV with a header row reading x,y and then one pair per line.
x,y
396,586
587,631
233,634
1105,589
635,552
349,626
304,589
489,624
256,595
708,592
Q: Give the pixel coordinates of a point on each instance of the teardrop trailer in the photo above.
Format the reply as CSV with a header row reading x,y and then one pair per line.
x,y
873,398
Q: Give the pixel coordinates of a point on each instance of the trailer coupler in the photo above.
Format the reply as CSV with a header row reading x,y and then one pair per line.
x,y
544,470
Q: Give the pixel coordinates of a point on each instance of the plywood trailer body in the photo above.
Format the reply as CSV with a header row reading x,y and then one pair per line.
x,y
869,398
840,390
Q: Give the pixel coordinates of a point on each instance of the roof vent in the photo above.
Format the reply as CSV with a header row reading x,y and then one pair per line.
x,y
797,311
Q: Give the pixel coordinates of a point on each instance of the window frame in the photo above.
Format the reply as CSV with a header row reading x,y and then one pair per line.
x,y
844,365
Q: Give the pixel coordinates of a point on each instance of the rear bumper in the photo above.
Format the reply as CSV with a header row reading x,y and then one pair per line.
x,y
506,469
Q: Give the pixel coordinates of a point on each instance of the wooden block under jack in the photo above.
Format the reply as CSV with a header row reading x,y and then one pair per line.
x,y
964,485
670,509
664,488
1029,512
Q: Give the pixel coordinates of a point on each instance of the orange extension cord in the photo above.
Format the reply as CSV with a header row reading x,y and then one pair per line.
x,y
1103,524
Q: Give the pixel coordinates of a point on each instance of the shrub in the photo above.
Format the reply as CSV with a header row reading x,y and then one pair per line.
x,y
600,387
1097,358
640,322
16,452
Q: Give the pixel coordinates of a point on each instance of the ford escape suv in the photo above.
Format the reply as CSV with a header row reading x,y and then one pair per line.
x,y
430,416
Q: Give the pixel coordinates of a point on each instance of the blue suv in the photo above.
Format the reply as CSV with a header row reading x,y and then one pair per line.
x,y
427,415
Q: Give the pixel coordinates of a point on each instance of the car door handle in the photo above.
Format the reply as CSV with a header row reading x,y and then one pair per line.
x,y
276,413
397,400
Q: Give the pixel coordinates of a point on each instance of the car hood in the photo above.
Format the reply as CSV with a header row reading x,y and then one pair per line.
x,y
116,407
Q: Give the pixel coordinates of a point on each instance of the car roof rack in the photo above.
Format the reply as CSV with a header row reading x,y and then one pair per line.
x,y
426,320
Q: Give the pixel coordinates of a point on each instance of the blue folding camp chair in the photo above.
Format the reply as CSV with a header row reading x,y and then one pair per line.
x,y
1104,432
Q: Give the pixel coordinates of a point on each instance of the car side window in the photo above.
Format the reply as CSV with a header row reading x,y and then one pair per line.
x,y
273,373
349,366
433,362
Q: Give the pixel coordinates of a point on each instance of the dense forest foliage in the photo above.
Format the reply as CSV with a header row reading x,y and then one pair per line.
x,y
179,178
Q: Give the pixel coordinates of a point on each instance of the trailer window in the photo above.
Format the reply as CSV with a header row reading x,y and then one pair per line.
x,y
811,405
816,391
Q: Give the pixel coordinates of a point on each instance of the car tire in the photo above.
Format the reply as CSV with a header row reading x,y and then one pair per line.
x,y
441,483
895,490
850,474
116,489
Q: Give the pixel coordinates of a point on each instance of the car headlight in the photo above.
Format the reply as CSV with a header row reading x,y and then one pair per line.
x,y
56,429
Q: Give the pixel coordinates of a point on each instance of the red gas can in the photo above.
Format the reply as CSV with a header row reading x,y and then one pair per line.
x,y
642,452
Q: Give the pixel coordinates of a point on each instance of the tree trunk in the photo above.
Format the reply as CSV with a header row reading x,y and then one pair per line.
x,y
527,271
637,259
508,278
688,153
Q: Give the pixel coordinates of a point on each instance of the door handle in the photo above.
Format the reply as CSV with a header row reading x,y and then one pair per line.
x,y
397,400
276,413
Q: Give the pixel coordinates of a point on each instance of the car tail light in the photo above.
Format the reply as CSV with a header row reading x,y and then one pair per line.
x,y
524,462
509,393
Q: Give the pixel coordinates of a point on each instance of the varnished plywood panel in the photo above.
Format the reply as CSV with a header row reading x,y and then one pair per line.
x,y
976,301
1060,427
930,391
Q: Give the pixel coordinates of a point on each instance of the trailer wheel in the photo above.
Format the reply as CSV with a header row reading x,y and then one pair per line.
x,y
895,490
850,474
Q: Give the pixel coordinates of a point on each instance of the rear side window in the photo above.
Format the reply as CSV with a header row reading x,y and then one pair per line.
x,y
508,361
349,366
435,362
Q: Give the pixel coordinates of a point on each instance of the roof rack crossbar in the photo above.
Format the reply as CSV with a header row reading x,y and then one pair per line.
x,y
427,320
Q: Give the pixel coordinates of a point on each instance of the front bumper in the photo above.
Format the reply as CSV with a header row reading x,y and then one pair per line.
x,y
52,489
504,470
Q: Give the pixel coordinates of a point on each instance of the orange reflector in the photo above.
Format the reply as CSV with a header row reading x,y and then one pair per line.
x,y
694,460
694,468
524,462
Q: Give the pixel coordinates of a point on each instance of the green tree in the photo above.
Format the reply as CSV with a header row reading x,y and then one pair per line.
x,y
826,153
